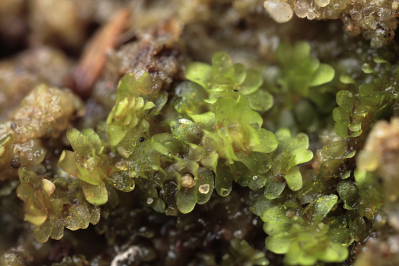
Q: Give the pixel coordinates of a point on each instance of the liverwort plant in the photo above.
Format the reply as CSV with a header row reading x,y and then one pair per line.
x,y
179,148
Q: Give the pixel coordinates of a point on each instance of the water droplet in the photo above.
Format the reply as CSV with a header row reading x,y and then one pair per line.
x,y
150,201
204,188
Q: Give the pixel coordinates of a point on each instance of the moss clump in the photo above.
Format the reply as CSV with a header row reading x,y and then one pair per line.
x,y
209,135
271,153
54,205
375,19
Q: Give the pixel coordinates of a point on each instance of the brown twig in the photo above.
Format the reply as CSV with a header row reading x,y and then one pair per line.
x,y
94,57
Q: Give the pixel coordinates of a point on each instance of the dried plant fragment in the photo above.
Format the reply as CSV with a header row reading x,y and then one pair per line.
x,y
45,112
95,55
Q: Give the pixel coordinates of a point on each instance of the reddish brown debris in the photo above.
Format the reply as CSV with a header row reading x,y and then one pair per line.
x,y
94,57
156,51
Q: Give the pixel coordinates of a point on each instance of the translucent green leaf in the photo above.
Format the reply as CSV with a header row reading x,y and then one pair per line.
x,y
302,49
223,180
323,206
324,74
206,119
186,200
347,191
36,216
345,79
198,73
274,187
294,179
252,82
367,69
90,170
42,233
85,142
126,117
95,194
79,217
262,140
67,163
122,181
229,110
298,256
116,134
301,153
221,60
260,101
132,85
260,205
335,253
205,184
211,160
188,93
240,72
187,131
345,98
275,220
279,244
